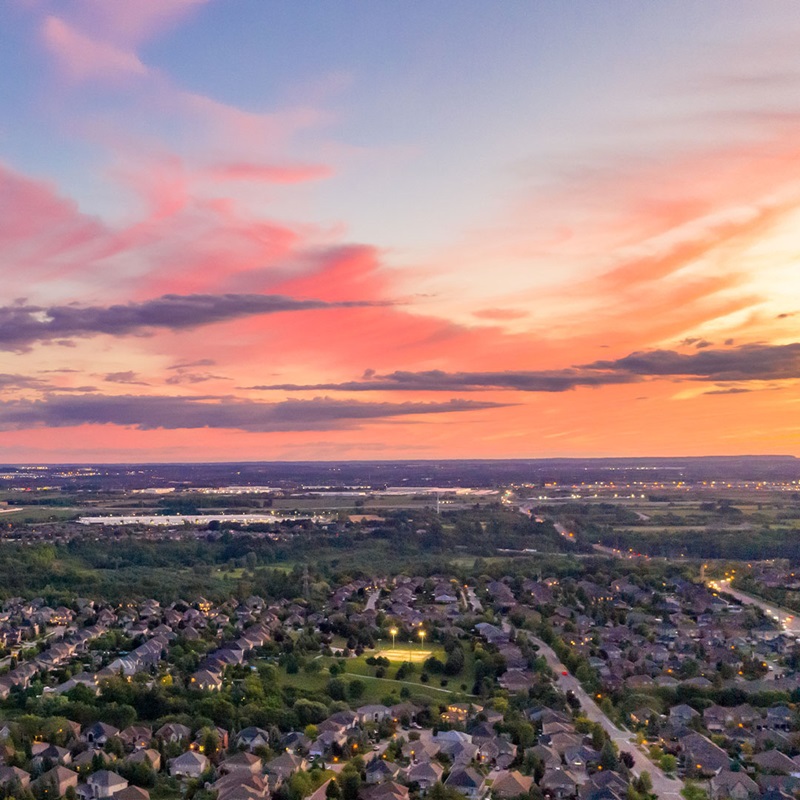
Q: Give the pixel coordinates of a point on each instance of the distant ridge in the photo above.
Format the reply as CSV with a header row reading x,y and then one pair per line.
x,y
417,472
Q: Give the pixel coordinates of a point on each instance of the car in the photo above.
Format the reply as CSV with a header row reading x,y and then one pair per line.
x,y
565,672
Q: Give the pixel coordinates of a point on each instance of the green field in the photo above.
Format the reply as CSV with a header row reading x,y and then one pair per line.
x,y
375,689
380,687
401,654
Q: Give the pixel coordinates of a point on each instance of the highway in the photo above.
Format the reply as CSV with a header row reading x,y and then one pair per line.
x,y
663,786
787,619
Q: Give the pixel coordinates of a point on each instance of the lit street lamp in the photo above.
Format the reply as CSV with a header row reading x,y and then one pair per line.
x,y
393,631
422,638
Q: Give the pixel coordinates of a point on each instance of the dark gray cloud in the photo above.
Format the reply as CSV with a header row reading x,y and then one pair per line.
x,y
129,376
744,363
14,381
753,362
21,324
185,376
732,390
439,381
151,412
201,362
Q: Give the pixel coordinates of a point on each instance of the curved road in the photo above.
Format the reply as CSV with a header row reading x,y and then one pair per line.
x,y
663,786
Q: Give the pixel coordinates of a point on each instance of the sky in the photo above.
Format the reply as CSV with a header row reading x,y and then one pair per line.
x,y
245,230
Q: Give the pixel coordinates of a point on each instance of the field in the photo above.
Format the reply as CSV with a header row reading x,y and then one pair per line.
x,y
400,654
715,522
437,687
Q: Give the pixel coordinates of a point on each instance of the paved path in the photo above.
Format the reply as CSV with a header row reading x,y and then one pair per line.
x,y
663,786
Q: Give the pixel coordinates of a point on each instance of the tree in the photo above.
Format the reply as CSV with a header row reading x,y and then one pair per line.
x,y
693,791
337,689
300,786
455,661
332,791
608,756
668,763
355,689
644,783
349,782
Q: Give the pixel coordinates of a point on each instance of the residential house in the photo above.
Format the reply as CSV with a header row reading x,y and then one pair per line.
x,y
136,737
467,781
284,766
105,783
734,785
682,714
241,786
702,756
13,776
188,765
206,681
55,782
85,761
132,793
252,737
511,783
147,756
556,783
549,758
385,791
425,774
779,718
241,762
99,733
373,713
44,753
379,770
173,732
326,741
775,762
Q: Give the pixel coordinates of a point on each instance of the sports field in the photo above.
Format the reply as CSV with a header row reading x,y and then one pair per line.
x,y
400,654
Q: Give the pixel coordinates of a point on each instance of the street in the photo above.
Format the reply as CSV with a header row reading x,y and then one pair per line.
x,y
663,786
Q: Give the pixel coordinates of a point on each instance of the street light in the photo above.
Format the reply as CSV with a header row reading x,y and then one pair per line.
x,y
422,638
393,631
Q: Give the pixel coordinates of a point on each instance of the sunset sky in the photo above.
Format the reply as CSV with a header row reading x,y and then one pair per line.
x,y
263,230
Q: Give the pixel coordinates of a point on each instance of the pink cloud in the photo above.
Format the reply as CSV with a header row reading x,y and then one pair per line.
x,y
266,173
82,57
132,23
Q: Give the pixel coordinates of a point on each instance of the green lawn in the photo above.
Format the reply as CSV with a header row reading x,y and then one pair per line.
x,y
378,688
